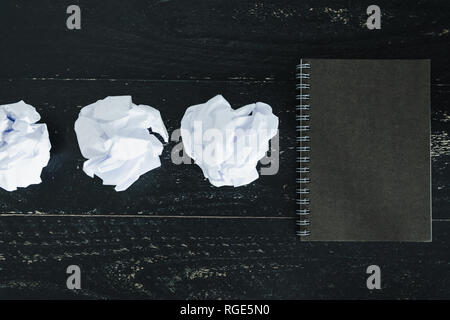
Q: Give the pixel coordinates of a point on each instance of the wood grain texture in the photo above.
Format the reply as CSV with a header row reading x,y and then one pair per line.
x,y
208,259
169,190
175,39
171,54
179,189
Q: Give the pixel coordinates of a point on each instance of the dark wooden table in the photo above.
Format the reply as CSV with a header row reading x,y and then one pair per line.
x,y
172,234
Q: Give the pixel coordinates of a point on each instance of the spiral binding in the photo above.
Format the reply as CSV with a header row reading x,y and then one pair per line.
x,y
303,149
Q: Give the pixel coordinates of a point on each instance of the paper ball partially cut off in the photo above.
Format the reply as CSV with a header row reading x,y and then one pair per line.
x,y
113,135
226,143
24,146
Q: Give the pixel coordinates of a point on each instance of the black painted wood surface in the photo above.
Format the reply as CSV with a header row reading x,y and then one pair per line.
x,y
169,190
172,235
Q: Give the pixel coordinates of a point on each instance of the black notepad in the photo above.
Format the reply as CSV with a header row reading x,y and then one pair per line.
x,y
364,150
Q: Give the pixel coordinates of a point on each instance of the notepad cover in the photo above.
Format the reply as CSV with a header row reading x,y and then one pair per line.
x,y
369,150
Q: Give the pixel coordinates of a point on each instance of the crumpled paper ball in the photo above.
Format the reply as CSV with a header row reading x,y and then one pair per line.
x,y
226,143
24,146
113,135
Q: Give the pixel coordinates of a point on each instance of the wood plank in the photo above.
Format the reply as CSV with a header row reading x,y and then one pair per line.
x,y
169,190
202,40
440,150
209,259
179,189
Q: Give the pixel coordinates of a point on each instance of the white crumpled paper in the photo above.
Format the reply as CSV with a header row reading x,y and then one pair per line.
x,y
113,135
24,146
226,143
